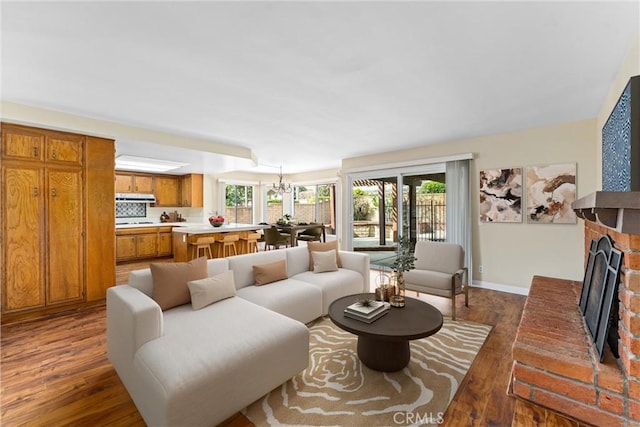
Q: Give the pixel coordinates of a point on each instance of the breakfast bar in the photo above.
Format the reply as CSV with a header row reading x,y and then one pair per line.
x,y
185,237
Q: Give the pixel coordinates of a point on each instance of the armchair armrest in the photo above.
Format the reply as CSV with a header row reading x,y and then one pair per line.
x,y
460,277
133,319
357,262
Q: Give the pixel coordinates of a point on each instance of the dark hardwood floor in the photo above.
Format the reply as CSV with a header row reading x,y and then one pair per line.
x,y
55,371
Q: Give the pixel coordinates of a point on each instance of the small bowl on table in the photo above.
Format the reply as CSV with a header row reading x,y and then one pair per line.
x,y
216,223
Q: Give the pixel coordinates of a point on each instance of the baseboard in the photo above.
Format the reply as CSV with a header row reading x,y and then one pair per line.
x,y
502,288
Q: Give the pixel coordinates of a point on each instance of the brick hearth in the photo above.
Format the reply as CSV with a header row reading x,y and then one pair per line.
x,y
555,362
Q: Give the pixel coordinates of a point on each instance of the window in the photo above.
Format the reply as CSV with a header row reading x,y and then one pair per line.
x,y
274,207
315,203
239,204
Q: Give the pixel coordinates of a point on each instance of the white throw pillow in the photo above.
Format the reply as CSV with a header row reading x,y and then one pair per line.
x,y
324,261
212,289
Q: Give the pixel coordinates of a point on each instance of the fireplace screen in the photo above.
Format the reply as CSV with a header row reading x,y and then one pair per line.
x,y
599,297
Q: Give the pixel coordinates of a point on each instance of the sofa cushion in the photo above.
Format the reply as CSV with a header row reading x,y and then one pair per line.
x,y
297,260
295,299
324,261
207,367
242,265
143,281
269,273
334,284
323,247
170,281
211,289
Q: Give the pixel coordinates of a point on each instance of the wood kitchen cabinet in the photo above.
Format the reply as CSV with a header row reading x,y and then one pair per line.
x,y
23,143
136,244
143,242
167,191
165,241
23,285
46,228
125,247
43,258
191,189
65,254
147,245
134,183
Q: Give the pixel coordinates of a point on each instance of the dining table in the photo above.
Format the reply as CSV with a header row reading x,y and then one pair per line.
x,y
294,228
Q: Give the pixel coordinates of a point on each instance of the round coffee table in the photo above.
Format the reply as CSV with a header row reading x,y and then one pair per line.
x,y
384,344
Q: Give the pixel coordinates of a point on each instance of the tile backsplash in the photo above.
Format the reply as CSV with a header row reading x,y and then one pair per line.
x,y
131,210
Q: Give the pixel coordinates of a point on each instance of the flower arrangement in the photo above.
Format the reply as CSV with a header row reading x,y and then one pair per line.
x,y
284,220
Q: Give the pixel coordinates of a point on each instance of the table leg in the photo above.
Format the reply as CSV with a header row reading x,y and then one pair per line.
x,y
383,355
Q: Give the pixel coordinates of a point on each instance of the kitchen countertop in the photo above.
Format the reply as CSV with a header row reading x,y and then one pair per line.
x,y
207,228
195,227
162,224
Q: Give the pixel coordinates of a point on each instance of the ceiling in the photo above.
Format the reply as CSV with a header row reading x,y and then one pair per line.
x,y
306,84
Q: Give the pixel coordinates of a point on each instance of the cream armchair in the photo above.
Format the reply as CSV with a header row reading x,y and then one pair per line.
x,y
439,270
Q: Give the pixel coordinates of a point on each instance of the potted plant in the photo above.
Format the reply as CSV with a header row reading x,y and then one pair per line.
x,y
405,261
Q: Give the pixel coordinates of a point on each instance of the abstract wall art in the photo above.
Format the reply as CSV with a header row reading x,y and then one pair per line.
x,y
550,191
621,142
501,195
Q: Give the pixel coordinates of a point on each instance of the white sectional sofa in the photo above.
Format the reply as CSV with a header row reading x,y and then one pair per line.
x,y
186,367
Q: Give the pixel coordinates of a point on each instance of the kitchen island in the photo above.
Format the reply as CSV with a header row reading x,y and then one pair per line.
x,y
183,237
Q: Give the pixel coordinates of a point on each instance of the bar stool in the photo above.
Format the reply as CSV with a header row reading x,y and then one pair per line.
x,y
226,245
251,242
202,244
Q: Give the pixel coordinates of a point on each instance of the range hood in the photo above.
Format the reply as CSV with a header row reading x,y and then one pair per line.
x,y
135,198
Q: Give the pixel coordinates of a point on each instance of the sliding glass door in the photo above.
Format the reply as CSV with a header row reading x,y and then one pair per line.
x,y
379,213
424,206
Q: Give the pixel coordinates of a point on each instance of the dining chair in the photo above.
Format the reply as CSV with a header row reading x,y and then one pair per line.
x,y
311,234
273,238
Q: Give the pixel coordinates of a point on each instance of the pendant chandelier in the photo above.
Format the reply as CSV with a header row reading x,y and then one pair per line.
x,y
281,187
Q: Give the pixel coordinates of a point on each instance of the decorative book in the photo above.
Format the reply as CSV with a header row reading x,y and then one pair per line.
x,y
358,308
378,315
367,314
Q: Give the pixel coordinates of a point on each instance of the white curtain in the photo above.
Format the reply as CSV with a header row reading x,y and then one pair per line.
x,y
459,208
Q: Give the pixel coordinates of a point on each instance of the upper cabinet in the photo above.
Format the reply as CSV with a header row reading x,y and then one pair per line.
x,y
133,183
25,143
66,148
167,191
170,190
22,143
191,190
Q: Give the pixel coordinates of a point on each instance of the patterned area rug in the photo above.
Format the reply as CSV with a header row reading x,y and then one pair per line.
x,y
337,390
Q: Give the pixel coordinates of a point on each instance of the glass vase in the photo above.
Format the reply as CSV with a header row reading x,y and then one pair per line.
x,y
398,299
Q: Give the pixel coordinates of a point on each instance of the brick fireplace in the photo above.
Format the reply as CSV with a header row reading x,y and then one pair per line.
x,y
555,363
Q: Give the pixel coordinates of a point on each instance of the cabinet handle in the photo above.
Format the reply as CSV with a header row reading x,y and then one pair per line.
x,y
54,192
53,154
35,151
35,191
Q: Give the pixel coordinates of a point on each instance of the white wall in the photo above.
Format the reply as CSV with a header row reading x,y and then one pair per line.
x,y
512,253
